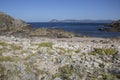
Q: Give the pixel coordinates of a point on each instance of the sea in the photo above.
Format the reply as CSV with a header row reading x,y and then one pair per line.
x,y
87,29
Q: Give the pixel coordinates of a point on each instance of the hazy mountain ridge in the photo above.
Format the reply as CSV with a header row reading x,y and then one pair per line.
x,y
82,21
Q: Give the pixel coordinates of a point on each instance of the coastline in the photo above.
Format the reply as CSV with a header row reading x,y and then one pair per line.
x,y
52,54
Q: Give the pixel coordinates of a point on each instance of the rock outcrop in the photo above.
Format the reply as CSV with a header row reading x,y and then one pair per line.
x,y
112,27
11,26
115,26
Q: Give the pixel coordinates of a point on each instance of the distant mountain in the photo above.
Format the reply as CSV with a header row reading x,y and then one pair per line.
x,y
54,20
82,21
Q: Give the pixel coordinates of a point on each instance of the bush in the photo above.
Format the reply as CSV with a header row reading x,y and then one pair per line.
x,y
15,47
101,51
45,44
6,58
65,72
3,44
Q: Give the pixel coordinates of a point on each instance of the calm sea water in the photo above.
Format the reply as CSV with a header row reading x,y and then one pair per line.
x,y
88,29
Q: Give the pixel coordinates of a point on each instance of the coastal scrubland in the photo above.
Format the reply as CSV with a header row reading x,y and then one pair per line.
x,y
44,54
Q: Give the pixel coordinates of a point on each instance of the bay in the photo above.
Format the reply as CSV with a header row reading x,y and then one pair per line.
x,y
87,29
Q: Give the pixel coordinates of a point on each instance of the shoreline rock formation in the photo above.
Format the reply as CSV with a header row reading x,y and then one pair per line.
x,y
112,27
10,26
115,26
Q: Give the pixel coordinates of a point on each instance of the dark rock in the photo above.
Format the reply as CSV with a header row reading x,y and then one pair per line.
x,y
117,55
113,27
103,29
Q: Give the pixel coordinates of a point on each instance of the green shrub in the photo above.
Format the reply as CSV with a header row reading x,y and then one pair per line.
x,y
50,53
31,55
65,72
77,51
101,51
2,69
6,58
70,50
15,47
105,77
3,50
110,51
45,44
92,53
62,49
108,76
3,44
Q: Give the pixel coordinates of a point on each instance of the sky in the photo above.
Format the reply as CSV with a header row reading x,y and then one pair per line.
x,y
46,10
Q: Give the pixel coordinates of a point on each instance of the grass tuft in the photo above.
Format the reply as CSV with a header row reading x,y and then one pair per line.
x,y
3,44
65,72
45,44
101,51
15,47
6,58
77,51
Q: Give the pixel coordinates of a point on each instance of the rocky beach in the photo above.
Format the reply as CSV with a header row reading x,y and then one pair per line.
x,y
45,54
39,58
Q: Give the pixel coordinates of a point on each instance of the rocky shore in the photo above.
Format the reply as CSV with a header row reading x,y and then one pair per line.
x,y
112,27
19,28
37,58
54,54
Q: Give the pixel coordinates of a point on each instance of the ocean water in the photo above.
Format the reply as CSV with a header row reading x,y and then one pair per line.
x,y
88,29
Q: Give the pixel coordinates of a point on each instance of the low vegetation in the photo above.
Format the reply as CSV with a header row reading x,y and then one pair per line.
x,y
101,51
65,72
68,50
3,44
15,47
62,49
6,58
77,51
45,44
